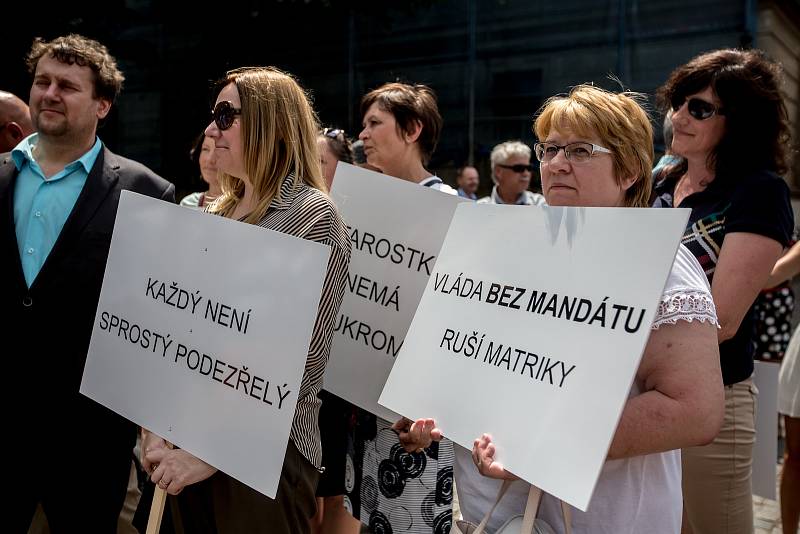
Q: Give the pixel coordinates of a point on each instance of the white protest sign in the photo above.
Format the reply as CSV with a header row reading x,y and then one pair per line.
x,y
765,452
396,229
202,333
531,329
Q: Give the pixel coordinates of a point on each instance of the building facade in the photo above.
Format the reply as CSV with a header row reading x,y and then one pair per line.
x,y
491,62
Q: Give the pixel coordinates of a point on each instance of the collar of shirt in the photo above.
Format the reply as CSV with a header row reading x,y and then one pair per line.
x,y
430,180
526,198
471,196
664,191
23,153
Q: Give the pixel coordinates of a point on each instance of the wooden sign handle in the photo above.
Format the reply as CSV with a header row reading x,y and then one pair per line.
x,y
157,508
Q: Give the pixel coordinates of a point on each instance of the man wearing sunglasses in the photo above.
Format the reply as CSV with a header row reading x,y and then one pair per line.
x,y
15,121
511,172
59,192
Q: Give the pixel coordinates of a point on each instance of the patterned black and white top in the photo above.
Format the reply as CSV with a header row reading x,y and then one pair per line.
x,y
756,203
303,211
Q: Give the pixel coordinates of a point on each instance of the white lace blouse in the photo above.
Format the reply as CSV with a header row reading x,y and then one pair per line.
x,y
686,296
633,495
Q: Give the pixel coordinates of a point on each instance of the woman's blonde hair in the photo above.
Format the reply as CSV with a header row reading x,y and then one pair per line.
x,y
618,121
279,138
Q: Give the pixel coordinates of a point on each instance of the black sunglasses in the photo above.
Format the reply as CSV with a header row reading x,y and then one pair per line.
x,y
224,114
333,133
698,108
518,168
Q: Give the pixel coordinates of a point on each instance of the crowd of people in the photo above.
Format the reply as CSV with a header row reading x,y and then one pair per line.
x,y
681,457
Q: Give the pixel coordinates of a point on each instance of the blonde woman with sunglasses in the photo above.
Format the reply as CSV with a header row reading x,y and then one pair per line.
x,y
265,143
730,130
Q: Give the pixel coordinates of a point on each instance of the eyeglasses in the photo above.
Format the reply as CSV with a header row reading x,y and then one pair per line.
x,y
224,114
578,152
333,133
519,168
698,108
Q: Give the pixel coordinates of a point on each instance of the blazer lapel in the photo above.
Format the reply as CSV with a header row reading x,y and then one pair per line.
x,y
100,182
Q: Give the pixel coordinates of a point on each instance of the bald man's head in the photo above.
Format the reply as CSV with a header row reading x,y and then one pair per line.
x,y
15,121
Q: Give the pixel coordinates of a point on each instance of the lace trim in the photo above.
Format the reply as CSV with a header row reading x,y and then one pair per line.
x,y
685,305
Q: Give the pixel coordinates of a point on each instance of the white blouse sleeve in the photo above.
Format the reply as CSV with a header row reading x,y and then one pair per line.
x,y
687,296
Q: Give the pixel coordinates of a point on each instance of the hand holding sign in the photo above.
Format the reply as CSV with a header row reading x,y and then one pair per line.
x,y
536,340
483,454
416,435
177,469
213,364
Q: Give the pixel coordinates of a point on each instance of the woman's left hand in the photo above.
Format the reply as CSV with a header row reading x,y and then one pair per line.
x,y
177,469
416,435
150,442
483,452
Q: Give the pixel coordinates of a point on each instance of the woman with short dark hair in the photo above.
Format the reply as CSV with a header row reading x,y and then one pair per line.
x,y
396,490
402,125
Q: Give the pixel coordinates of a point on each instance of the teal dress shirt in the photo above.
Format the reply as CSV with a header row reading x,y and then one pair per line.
x,y
42,205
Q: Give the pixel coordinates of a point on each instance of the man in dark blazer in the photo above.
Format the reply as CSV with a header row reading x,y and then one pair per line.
x,y
59,191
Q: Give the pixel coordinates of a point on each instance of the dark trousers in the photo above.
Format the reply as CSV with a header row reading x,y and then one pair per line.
x,y
80,483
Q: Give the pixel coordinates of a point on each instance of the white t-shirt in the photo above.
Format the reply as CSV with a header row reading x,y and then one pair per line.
x,y
633,495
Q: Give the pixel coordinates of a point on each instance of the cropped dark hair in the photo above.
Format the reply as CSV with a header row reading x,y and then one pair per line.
x,y
747,83
74,49
409,104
